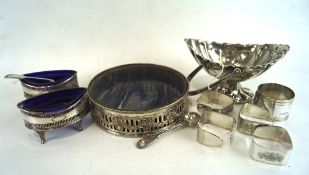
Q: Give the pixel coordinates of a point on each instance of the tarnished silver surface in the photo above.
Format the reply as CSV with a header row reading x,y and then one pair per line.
x,y
271,144
276,98
251,116
31,91
150,138
215,129
137,123
44,121
191,119
221,59
215,101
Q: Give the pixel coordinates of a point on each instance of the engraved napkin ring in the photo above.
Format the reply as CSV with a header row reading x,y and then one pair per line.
x,y
271,144
276,98
215,129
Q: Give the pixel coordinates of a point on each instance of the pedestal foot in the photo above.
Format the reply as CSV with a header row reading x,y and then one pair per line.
x,y
243,95
239,94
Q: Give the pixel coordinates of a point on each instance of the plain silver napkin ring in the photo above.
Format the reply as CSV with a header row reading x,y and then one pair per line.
x,y
215,129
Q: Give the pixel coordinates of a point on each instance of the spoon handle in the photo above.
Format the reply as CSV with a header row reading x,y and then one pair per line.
x,y
16,76
149,138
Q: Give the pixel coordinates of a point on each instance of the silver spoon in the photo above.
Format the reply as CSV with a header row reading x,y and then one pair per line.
x,y
16,76
191,119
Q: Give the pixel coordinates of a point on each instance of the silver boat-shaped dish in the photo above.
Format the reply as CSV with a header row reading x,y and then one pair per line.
x,y
55,110
62,79
137,99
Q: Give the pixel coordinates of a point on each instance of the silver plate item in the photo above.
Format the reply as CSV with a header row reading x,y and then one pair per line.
x,y
190,120
222,59
45,121
137,122
276,98
271,144
31,91
215,101
215,129
251,116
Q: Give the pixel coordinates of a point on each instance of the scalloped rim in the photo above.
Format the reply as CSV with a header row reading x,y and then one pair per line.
x,y
245,45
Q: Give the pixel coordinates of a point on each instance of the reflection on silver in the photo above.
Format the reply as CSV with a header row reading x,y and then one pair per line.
x,y
191,119
215,129
276,98
215,101
31,91
137,123
251,116
45,121
271,144
20,77
221,59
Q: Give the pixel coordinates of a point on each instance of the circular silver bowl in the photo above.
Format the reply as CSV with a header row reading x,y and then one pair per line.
x,y
137,99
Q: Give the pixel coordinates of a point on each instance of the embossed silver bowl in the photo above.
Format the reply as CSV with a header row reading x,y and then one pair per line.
x,y
234,63
137,99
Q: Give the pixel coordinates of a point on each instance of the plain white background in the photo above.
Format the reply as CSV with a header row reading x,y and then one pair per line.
x,y
92,35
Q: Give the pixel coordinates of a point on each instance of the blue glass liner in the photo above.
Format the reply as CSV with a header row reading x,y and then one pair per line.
x,y
57,75
137,87
53,101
